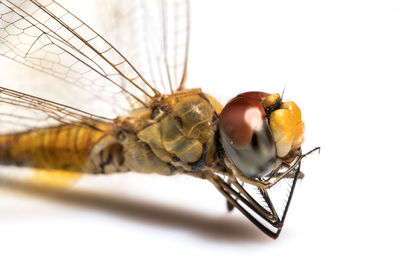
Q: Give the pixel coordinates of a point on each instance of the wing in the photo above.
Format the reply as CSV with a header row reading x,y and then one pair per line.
x,y
168,23
155,36
21,112
45,36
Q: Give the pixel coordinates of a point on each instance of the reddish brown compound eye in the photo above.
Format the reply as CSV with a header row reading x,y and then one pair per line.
x,y
258,96
239,118
245,135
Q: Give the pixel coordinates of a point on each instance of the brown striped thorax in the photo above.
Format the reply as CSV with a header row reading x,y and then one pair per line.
x,y
175,133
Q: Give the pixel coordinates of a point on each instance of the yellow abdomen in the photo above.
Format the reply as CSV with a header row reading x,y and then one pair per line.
x,y
66,147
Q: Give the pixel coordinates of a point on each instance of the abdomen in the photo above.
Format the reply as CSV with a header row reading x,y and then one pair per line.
x,y
65,147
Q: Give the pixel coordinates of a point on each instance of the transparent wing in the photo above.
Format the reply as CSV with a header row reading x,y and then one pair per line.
x,y
155,36
167,39
45,36
20,112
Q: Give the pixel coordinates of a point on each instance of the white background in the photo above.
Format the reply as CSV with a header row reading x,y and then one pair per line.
x,y
340,61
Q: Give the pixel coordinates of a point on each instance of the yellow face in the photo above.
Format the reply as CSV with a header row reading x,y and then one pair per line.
x,y
287,128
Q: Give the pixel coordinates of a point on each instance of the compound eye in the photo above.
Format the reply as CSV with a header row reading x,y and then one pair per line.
x,y
246,137
255,95
239,119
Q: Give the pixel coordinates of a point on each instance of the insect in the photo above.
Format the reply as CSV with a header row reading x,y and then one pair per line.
x,y
250,149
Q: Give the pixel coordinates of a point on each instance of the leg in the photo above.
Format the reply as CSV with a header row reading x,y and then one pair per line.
x,y
247,205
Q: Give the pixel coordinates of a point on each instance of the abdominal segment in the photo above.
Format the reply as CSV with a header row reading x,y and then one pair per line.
x,y
66,147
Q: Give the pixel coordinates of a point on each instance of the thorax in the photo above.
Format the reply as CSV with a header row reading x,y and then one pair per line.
x,y
176,133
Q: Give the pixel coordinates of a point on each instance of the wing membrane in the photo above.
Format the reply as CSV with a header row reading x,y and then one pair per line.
x,y
21,112
155,36
173,38
45,36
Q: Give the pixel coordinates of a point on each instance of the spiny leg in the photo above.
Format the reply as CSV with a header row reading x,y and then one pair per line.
x,y
235,198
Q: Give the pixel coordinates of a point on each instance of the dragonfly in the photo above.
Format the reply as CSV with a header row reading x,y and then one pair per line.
x,y
249,149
